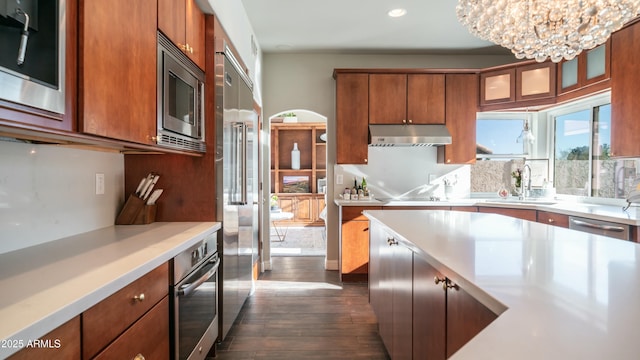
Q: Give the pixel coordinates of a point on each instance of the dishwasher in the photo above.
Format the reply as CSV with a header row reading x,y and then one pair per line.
x,y
599,227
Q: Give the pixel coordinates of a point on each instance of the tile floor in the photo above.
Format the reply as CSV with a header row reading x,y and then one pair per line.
x,y
301,311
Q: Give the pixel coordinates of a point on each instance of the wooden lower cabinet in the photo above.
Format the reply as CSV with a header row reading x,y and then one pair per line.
x,y
429,339
61,343
466,317
305,208
105,321
465,208
555,219
147,338
417,318
354,243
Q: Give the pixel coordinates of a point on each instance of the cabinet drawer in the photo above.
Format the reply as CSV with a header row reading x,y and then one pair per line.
x,y
350,213
553,219
102,323
148,337
63,343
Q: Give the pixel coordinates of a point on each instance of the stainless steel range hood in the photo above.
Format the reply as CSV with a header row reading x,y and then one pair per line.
x,y
409,135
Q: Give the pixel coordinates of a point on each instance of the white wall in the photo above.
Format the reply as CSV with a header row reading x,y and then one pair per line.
x,y
394,172
48,192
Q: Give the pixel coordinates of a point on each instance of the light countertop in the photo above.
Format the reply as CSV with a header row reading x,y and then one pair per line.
x,y
46,285
560,293
591,211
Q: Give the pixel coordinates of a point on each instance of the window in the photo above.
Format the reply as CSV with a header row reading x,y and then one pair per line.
x,y
582,163
496,136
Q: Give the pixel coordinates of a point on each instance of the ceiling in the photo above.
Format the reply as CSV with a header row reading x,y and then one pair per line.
x,y
362,26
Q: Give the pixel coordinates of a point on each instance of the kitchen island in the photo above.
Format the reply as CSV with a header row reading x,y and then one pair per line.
x,y
556,293
49,284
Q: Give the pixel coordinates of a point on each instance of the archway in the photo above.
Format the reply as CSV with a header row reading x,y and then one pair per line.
x,y
296,222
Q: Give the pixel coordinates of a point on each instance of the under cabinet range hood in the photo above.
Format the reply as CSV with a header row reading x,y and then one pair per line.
x,y
409,135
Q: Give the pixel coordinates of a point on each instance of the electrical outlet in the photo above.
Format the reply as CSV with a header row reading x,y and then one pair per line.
x,y
339,179
99,184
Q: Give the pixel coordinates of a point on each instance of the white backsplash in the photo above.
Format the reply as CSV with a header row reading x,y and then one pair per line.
x,y
48,192
405,171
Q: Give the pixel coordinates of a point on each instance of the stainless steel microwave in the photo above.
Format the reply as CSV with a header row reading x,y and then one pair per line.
x,y
180,99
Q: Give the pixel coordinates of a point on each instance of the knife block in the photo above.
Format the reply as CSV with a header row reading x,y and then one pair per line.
x,y
136,212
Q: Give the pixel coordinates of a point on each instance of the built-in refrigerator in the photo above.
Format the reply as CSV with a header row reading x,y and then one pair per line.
x,y
237,198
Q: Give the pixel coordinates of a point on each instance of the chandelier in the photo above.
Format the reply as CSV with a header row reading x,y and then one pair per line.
x,y
541,29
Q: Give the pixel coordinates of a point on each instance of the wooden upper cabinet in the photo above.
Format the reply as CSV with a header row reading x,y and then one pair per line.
x,y
352,118
183,22
625,102
425,98
117,69
586,70
518,83
536,81
461,104
387,98
498,86
406,98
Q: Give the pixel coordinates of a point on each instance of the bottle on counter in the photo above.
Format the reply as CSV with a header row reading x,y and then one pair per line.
x,y
364,183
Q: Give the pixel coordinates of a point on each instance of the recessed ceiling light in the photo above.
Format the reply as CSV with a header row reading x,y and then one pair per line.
x,y
397,12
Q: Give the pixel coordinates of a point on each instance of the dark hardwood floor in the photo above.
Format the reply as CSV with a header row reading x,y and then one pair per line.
x,y
301,311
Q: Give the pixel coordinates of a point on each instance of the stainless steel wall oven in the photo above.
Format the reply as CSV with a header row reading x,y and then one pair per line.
x,y
195,300
32,53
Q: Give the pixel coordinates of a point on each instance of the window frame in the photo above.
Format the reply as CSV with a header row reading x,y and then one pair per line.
x,y
590,104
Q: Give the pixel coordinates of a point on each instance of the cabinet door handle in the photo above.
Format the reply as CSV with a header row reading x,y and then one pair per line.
x,y
392,241
139,297
450,285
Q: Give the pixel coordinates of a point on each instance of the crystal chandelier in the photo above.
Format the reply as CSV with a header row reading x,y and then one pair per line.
x,y
541,29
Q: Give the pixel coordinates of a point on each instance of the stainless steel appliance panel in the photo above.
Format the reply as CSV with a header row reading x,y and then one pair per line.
x,y
180,99
38,79
195,297
234,161
598,227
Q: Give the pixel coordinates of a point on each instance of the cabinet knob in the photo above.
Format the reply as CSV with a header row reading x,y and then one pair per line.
x,y
410,121
139,297
183,47
366,160
189,49
404,121
551,220
437,279
138,357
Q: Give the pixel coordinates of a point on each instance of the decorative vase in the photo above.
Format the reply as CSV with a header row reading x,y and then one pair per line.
x,y
295,157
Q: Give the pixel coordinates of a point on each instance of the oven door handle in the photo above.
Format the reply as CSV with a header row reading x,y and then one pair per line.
x,y
188,288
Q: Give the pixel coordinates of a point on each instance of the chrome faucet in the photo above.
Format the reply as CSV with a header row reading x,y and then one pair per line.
x,y
527,178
